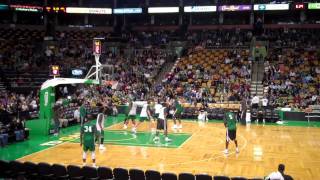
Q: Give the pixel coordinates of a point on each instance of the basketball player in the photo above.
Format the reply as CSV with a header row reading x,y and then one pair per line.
x,y
131,116
100,128
145,114
157,108
177,114
87,140
162,123
231,134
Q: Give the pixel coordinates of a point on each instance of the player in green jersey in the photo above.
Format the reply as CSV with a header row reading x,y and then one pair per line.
x,y
87,141
231,124
176,116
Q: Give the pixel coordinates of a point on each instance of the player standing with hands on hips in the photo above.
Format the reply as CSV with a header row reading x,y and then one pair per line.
x,y
231,134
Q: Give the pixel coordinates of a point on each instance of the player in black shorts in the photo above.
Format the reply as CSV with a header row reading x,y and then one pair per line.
x,y
162,123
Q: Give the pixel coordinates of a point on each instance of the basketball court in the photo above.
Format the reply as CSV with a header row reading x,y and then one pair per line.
x,y
197,148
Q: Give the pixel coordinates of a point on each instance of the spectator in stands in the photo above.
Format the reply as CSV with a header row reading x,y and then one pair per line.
x,y
76,114
255,101
279,175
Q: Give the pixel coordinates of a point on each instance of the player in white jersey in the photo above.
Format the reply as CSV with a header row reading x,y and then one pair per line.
x,y
131,116
100,128
162,123
145,114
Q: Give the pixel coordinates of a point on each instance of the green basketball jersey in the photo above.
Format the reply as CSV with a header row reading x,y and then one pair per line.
x,y
88,135
230,121
179,108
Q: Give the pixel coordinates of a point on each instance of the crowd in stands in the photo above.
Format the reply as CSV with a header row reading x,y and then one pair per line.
x,y
14,110
292,77
209,72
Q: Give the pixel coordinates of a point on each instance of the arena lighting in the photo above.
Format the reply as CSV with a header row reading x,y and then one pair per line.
x,y
163,9
313,5
270,7
26,8
127,11
78,10
235,8
200,8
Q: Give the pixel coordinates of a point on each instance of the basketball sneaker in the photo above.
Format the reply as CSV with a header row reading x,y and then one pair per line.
x,y
156,138
134,130
101,147
226,151
167,139
174,127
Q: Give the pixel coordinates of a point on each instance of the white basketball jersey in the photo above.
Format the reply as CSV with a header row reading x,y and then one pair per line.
x,y
144,111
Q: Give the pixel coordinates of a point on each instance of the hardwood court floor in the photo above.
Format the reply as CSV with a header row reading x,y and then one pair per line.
x,y
262,148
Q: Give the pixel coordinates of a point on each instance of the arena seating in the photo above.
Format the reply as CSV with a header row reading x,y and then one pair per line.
x,y
29,170
292,77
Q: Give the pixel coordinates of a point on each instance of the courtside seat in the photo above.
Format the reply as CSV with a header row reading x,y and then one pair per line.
x,y
90,173
238,178
153,175
221,178
60,172
136,174
5,170
45,171
203,177
31,170
120,174
74,172
186,176
169,176
18,169
105,173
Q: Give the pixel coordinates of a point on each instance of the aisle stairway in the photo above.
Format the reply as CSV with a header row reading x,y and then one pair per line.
x,y
256,78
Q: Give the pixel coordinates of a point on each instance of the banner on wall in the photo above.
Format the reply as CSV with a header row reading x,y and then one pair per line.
x,y
163,9
127,11
3,7
235,8
83,10
200,8
26,8
271,7
313,5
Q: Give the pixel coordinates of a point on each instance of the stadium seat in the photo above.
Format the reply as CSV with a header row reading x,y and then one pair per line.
x,y
136,174
239,178
74,172
169,176
90,173
31,170
18,169
186,176
5,171
203,177
105,173
45,171
152,175
221,178
59,171
120,174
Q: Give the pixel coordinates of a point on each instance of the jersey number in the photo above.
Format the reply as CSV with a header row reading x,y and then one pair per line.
x,y
87,128
230,116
